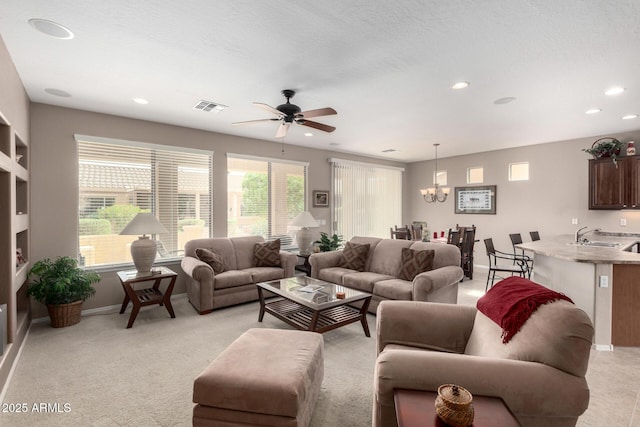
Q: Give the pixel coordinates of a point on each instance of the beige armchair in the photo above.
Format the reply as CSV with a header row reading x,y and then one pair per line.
x,y
540,373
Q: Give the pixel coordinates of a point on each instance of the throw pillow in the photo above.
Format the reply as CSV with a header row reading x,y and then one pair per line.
x,y
212,258
267,254
415,262
354,256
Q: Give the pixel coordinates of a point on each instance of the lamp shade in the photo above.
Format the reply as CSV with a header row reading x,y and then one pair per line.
x,y
304,220
143,250
144,223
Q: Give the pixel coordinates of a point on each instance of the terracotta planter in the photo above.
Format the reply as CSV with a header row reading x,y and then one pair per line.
x,y
65,314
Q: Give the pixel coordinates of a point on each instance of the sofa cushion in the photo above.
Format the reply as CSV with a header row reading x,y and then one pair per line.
x,y
334,274
396,289
363,281
386,256
415,262
265,274
267,254
354,256
212,258
244,250
232,278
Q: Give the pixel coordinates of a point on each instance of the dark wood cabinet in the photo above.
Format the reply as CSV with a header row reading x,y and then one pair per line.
x,y
614,185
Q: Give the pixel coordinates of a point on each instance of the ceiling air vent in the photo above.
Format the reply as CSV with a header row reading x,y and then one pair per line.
x,y
389,150
209,106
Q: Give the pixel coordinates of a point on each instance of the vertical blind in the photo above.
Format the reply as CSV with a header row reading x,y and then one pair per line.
x,y
367,198
264,195
118,179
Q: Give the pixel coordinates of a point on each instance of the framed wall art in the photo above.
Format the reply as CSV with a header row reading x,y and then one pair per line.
x,y
320,199
476,200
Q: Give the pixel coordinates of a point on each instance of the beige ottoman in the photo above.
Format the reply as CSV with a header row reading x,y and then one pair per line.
x,y
267,377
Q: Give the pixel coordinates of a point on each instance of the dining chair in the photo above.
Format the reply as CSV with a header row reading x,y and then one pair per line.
x,y
466,252
516,239
402,233
453,238
416,232
534,236
518,264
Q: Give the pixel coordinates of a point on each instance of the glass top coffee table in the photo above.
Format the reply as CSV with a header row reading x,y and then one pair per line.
x,y
312,305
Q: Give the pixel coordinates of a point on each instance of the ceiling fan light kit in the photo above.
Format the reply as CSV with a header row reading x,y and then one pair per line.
x,y
289,113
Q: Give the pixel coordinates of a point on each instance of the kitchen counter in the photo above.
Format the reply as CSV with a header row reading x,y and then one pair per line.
x,y
600,278
564,247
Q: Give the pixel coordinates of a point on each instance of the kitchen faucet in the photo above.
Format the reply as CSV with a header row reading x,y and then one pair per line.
x,y
579,235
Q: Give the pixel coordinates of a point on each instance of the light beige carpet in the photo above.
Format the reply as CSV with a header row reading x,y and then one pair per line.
x,y
98,373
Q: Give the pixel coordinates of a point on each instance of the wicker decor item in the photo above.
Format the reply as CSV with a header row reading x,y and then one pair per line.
x,y
453,405
65,314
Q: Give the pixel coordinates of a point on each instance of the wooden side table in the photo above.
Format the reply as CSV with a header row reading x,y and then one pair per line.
x,y
148,296
306,267
417,408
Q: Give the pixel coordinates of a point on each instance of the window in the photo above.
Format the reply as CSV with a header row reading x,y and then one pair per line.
x,y
367,198
519,171
118,179
475,175
264,195
440,177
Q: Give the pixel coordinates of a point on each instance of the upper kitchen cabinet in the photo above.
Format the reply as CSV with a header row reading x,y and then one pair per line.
x,y
614,185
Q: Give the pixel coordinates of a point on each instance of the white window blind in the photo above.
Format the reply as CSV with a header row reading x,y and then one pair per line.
x,y
264,195
367,198
118,179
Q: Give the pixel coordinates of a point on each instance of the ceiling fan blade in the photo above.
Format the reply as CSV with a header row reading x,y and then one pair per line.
x,y
319,126
317,113
251,122
269,108
282,130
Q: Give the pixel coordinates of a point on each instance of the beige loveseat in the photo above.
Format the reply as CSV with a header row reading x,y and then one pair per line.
x,y
380,275
539,373
208,290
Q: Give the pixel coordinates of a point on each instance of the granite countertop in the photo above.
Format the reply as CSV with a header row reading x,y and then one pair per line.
x,y
563,247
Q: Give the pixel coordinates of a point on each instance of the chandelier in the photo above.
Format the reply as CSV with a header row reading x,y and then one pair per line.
x,y
435,193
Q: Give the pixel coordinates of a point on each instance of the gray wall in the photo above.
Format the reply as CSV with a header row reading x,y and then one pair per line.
x,y
54,177
556,192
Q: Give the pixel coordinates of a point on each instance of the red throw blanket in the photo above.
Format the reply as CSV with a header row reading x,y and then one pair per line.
x,y
511,301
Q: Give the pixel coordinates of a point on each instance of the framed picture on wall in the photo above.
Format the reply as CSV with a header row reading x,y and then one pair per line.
x,y
476,200
320,199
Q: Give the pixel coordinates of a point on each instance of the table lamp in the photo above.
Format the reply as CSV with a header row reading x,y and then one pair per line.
x,y
143,250
304,236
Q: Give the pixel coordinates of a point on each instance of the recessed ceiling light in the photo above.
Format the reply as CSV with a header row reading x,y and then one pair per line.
x,y
616,90
51,28
308,134
57,92
593,111
505,100
630,116
460,85
141,101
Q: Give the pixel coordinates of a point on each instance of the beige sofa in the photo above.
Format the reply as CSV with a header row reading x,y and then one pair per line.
x,y
381,272
539,373
207,290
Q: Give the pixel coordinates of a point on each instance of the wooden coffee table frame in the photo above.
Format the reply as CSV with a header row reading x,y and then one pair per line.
x,y
315,317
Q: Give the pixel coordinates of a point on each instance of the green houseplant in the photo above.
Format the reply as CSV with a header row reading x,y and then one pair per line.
x,y
62,286
326,243
605,147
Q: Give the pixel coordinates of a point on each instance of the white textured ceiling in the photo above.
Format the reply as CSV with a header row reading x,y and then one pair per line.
x,y
386,67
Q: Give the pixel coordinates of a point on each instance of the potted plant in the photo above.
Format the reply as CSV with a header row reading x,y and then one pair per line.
x,y
326,243
605,147
62,286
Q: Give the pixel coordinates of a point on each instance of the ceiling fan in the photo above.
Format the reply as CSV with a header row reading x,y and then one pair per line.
x,y
288,113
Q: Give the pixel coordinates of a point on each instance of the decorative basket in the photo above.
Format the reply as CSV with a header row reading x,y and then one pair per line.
x,y
610,153
65,314
453,405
